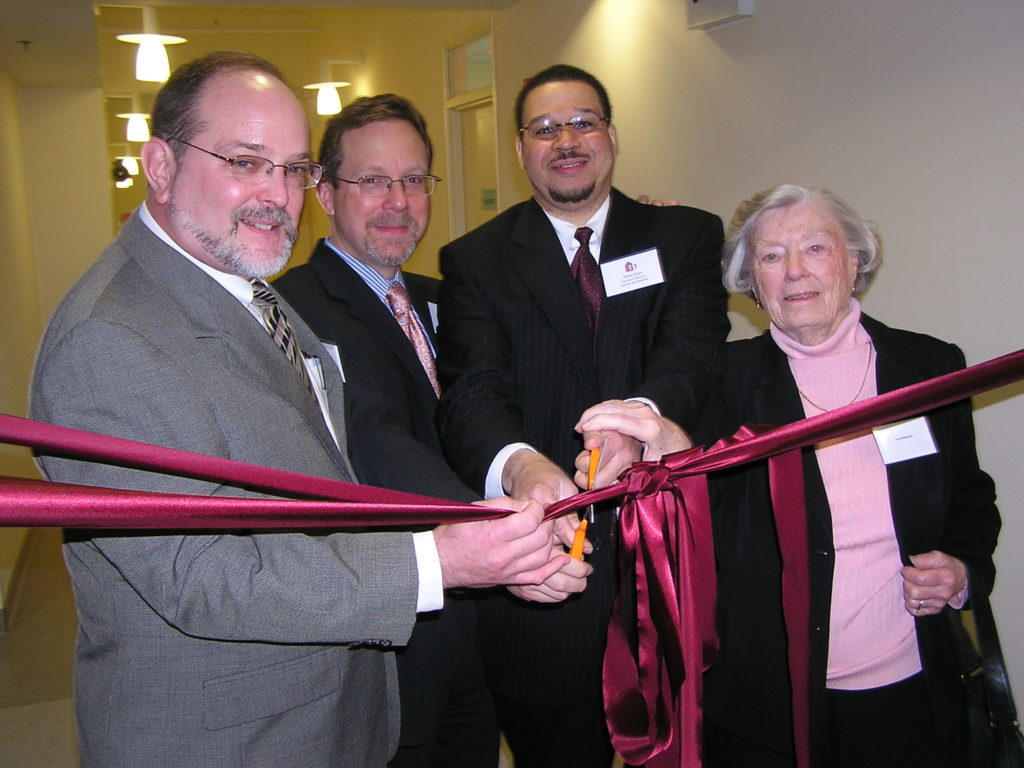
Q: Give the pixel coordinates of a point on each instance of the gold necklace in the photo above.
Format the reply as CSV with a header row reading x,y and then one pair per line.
x,y
863,381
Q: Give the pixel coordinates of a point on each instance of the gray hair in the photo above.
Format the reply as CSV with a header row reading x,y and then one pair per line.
x,y
861,235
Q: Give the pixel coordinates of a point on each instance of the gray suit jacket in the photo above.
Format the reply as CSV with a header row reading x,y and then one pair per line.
x,y
221,648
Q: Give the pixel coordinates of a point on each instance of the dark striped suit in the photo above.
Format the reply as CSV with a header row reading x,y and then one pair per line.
x,y
517,363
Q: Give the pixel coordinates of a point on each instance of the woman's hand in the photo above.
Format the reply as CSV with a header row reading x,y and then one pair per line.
x,y
933,580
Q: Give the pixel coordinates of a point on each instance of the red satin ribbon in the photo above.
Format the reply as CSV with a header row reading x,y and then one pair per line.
x,y
40,503
653,700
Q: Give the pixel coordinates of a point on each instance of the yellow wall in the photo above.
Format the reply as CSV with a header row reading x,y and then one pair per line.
x,y
68,199
19,299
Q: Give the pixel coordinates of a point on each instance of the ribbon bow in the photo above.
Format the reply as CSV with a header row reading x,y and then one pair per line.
x,y
653,694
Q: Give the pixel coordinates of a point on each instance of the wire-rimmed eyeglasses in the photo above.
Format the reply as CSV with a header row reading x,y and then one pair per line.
x,y
415,185
546,129
252,169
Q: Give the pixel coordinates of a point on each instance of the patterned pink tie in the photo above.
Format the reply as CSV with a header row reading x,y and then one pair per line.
x,y
588,278
398,300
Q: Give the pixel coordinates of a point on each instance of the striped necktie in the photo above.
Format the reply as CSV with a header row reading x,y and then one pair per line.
x,y
280,330
401,307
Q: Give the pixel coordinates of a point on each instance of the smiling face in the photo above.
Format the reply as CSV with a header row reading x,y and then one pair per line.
x,y
571,175
803,272
244,229
381,232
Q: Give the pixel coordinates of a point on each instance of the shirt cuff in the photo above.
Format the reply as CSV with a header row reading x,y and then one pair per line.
x,y
646,401
492,483
430,595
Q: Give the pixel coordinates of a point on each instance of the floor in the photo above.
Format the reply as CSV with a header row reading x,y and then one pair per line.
x,y
36,721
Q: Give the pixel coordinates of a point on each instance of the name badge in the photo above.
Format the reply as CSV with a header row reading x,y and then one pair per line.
x,y
432,309
633,272
905,440
332,352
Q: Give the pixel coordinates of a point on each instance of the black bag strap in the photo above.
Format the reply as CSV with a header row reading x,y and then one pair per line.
x,y
1002,710
1008,742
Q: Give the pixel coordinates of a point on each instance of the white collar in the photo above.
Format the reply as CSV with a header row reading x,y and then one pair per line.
x,y
566,232
236,285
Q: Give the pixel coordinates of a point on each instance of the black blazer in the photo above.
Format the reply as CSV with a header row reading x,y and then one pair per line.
x,y
517,363
340,308
940,502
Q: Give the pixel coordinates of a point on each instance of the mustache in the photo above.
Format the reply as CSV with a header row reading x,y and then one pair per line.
x,y
392,220
569,156
278,216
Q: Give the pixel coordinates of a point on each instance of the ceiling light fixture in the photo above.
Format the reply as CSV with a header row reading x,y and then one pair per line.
x,y
328,101
131,164
151,64
138,128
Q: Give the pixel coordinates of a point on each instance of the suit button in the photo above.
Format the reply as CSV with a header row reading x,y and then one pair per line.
x,y
823,552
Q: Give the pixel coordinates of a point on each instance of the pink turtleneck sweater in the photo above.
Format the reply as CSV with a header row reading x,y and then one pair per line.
x,y
872,639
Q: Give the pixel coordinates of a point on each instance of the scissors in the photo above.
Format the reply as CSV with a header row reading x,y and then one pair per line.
x,y
587,516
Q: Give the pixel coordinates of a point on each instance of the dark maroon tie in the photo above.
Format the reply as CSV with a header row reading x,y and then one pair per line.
x,y
588,278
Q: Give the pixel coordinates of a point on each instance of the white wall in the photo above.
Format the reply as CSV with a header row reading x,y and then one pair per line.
x,y
912,111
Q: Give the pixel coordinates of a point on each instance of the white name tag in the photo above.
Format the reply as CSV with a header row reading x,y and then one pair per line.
x,y
332,352
905,440
432,309
633,272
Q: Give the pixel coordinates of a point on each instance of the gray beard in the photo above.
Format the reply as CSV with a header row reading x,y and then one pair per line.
x,y
388,258
233,254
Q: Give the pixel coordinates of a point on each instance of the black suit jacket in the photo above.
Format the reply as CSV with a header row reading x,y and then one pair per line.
x,y
939,502
517,363
340,308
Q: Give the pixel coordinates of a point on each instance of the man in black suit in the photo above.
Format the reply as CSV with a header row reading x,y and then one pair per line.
x,y
375,226
376,156
526,346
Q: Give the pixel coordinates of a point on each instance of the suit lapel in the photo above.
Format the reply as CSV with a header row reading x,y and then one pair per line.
x,y
537,256
625,232
348,289
233,340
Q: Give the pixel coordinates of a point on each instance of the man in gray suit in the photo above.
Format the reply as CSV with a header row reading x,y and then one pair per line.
x,y
239,648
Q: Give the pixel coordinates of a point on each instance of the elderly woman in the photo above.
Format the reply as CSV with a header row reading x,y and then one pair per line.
x,y
889,542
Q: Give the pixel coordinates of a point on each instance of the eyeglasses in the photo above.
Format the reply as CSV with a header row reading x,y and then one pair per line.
x,y
417,185
545,129
251,169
